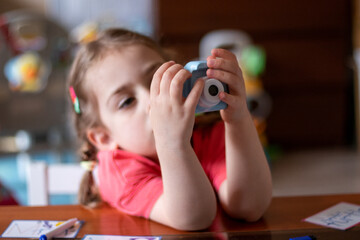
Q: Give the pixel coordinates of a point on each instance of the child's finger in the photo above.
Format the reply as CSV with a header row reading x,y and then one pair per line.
x,y
195,93
223,53
168,77
228,99
211,57
155,83
224,64
226,77
177,84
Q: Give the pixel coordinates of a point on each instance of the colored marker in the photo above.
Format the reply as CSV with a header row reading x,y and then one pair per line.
x,y
304,238
59,229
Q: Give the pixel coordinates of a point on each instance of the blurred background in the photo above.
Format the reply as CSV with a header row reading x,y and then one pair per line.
x,y
299,61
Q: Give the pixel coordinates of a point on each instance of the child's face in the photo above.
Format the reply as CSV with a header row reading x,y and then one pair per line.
x,y
121,84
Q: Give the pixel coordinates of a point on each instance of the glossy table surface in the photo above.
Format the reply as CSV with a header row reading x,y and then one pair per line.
x,y
282,220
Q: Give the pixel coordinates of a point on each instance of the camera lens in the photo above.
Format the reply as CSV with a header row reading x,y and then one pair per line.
x,y
213,90
210,95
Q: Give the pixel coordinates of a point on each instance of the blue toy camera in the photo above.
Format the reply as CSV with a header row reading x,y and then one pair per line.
x,y
209,100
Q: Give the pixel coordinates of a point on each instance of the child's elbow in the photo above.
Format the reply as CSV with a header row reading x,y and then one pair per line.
x,y
249,215
195,222
250,212
191,216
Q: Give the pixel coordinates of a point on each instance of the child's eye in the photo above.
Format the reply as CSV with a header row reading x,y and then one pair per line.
x,y
126,102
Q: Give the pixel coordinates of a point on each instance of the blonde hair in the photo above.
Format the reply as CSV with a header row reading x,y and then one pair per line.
x,y
88,116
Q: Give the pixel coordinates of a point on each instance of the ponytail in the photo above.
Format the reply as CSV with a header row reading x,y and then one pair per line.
x,y
88,194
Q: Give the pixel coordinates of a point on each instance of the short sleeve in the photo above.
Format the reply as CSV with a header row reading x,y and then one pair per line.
x,y
209,146
129,182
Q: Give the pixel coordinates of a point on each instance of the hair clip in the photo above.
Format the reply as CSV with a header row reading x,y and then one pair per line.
x,y
88,165
74,100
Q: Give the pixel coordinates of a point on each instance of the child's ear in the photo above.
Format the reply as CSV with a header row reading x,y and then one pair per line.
x,y
101,139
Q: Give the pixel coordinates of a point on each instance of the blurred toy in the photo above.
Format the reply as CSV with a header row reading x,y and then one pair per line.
x,y
233,40
34,46
252,60
28,35
85,32
27,72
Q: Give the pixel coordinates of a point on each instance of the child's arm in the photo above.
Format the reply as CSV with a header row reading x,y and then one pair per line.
x,y
188,201
246,193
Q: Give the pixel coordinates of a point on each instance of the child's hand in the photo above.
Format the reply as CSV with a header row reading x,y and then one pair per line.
x,y
172,116
224,66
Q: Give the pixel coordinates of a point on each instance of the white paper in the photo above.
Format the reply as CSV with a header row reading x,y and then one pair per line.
x,y
35,228
340,216
116,237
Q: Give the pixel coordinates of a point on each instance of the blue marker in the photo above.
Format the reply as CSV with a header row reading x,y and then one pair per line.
x,y
59,229
304,238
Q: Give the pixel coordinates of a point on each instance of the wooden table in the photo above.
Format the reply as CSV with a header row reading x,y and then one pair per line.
x,y
282,220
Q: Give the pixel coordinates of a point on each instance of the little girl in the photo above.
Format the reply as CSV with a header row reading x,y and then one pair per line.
x,y
152,162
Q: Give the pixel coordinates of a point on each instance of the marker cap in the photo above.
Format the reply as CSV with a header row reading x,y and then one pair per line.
x,y
303,238
43,237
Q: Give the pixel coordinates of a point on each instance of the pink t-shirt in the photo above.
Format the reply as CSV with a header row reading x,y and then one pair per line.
x,y
132,183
